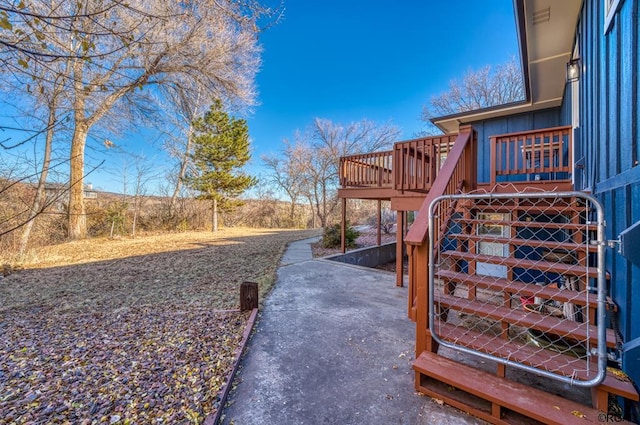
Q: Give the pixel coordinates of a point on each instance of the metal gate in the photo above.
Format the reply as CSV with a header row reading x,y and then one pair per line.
x,y
519,279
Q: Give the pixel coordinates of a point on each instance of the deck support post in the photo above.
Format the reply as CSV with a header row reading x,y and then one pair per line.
x,y
343,227
378,235
400,248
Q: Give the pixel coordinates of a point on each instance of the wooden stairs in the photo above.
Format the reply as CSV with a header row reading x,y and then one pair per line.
x,y
515,279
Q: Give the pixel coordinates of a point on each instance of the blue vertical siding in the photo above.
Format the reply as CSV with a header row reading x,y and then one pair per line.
x,y
635,97
565,109
609,140
627,33
511,124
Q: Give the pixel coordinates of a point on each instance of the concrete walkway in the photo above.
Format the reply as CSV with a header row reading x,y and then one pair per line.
x,y
333,345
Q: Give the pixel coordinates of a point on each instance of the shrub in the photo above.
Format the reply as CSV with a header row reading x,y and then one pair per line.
x,y
387,222
331,237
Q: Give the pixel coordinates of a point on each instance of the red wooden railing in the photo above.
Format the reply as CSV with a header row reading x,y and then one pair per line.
x,y
412,165
458,174
532,155
417,162
367,170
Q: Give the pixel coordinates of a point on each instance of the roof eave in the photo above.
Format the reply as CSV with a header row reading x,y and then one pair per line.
x,y
462,117
450,123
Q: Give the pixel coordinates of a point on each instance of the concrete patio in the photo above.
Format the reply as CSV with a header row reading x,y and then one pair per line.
x,y
333,345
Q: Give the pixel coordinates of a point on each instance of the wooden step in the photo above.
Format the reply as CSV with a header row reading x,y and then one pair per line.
x,y
528,224
492,398
569,246
525,200
581,298
551,361
545,266
530,320
529,208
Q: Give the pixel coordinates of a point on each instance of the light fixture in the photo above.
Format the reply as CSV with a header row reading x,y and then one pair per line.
x,y
573,70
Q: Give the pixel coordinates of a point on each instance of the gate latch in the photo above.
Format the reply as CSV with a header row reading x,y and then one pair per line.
x,y
629,243
613,243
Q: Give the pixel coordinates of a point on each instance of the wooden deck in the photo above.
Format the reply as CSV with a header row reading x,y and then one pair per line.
x,y
416,173
406,174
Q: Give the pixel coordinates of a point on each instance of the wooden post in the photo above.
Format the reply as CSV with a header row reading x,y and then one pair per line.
x,y
470,159
248,296
411,313
423,336
400,248
492,162
343,227
378,236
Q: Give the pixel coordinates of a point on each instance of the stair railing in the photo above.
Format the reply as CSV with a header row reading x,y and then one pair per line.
x,y
458,174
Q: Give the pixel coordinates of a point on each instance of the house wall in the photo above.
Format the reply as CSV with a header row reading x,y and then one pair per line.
x,y
522,122
609,142
565,109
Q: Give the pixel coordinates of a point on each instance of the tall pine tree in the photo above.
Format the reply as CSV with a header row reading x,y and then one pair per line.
x,y
221,148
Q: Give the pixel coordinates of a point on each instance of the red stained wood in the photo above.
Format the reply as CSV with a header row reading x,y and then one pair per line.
x,y
529,402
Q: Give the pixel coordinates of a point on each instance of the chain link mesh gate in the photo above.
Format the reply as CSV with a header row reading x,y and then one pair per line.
x,y
519,279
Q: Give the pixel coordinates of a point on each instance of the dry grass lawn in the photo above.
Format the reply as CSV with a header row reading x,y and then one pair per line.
x,y
129,331
178,270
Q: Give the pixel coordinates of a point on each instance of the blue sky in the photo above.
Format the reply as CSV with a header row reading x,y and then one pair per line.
x,y
348,60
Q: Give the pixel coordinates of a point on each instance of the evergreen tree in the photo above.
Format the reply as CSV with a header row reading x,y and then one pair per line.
x,y
221,148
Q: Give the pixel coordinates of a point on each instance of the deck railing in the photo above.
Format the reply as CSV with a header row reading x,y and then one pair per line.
x,y
417,162
367,170
412,165
532,156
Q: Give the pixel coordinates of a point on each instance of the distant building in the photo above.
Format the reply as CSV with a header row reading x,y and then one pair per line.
x,y
58,195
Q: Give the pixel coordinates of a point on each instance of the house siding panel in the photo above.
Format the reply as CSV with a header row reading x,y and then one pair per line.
x,y
627,32
565,109
634,274
635,53
609,119
612,162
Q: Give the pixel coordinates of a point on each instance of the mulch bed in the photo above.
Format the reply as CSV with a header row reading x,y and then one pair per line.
x,y
130,367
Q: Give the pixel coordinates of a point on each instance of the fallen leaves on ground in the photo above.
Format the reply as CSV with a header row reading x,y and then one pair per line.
x,y
138,366
124,331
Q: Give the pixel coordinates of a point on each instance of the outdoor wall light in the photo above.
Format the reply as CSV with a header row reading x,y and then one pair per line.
x,y
573,70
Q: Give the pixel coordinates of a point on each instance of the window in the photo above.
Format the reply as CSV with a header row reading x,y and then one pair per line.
x,y
610,9
495,249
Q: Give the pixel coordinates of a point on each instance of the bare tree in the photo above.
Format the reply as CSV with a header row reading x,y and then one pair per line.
x,y
176,51
180,145
488,86
25,30
188,111
209,45
314,158
39,197
286,175
143,175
